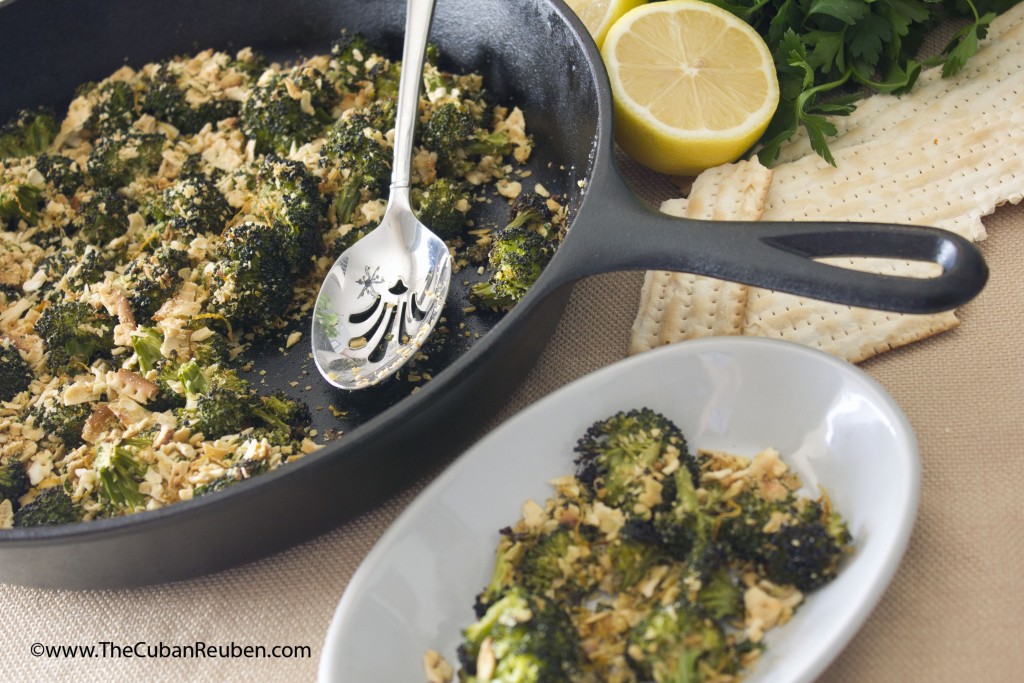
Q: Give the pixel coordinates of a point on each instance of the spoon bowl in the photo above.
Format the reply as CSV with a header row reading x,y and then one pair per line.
x,y
382,297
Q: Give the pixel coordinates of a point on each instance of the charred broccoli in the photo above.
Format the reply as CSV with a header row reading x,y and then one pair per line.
x,y
15,373
63,172
802,545
252,281
239,471
288,108
194,199
285,419
165,99
152,278
103,217
216,410
356,146
219,402
626,459
442,206
288,199
456,134
354,60
28,133
74,334
542,564
675,643
13,481
517,257
117,160
115,108
64,422
528,640
51,507
91,266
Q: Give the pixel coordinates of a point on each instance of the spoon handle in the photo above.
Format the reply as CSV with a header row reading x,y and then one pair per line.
x,y
419,14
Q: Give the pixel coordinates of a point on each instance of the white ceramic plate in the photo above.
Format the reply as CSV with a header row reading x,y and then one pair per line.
x,y
832,423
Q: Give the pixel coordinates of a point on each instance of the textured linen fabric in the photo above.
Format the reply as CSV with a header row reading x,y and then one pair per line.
x,y
952,613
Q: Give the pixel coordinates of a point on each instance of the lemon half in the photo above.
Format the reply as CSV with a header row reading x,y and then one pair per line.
x,y
599,15
694,86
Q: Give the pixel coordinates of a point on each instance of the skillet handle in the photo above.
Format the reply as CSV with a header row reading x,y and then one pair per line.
x,y
618,232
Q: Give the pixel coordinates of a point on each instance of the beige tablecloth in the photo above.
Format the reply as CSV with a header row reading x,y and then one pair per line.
x,y
953,613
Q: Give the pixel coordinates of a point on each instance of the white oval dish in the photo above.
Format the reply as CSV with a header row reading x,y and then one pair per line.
x,y
833,424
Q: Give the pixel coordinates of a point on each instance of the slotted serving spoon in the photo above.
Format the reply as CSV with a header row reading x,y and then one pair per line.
x,y
382,297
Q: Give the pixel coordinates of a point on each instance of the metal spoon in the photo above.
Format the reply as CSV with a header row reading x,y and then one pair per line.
x,y
384,294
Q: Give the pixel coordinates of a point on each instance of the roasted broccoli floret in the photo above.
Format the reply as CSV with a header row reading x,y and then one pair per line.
x,y
51,507
352,49
528,208
541,570
279,114
120,473
115,108
720,595
13,481
28,133
356,146
455,133
215,413
74,334
61,421
90,267
18,201
357,63
287,197
103,217
240,471
434,78
117,160
517,257
211,350
442,206
15,373
152,278
530,640
630,560
165,99
252,281
219,402
683,524
675,643
283,414
543,564
249,63
73,266
194,199
617,456
805,552
63,172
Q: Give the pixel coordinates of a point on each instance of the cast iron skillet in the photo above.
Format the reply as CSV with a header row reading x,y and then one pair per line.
x,y
531,52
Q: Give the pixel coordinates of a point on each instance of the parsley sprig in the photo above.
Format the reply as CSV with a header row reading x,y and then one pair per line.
x,y
829,53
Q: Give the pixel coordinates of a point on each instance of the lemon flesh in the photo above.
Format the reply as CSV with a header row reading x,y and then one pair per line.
x,y
599,15
693,85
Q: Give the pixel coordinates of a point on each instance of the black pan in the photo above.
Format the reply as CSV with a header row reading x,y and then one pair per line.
x,y
531,52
